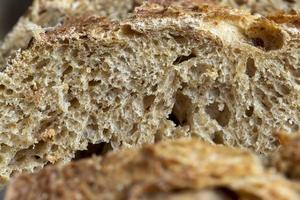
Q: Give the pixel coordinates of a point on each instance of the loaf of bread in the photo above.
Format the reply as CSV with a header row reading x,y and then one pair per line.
x,y
181,169
222,75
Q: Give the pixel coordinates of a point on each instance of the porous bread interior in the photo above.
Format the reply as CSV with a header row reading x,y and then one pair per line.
x,y
226,81
49,13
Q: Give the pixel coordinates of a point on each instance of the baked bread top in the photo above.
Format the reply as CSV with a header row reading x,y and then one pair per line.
x,y
179,169
50,13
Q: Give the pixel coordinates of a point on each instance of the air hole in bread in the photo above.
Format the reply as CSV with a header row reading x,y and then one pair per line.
x,y
263,98
249,111
182,58
129,32
67,70
182,110
93,83
74,53
37,157
93,127
219,112
226,193
291,1
240,2
148,101
9,91
174,119
134,128
25,155
250,67
93,149
178,38
258,121
44,125
282,89
92,124
258,42
28,79
295,72
43,63
74,103
265,36
218,137
2,87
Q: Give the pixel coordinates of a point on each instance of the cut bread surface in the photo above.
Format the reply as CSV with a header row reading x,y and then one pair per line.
x,y
218,74
181,169
50,13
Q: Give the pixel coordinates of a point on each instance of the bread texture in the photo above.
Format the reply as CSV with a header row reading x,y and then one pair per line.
x,y
49,13
264,7
222,75
180,169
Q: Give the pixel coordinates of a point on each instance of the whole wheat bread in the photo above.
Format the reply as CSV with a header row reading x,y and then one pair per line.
x,y
222,75
49,13
177,170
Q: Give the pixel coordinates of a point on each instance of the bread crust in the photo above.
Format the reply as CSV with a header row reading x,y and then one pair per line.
x,y
179,169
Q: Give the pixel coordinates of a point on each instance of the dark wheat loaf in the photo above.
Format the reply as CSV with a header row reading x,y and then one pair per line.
x,y
222,75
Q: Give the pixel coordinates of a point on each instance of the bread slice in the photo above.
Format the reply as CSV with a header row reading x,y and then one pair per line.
x,y
222,75
49,13
180,169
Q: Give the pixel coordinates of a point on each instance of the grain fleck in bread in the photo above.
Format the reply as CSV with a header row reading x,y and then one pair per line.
x,y
180,169
222,75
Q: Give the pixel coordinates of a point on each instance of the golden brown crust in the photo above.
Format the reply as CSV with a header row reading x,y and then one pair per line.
x,y
287,159
182,168
289,18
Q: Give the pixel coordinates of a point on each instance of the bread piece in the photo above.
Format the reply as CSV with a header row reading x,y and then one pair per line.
x,y
180,169
49,13
222,75
287,159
